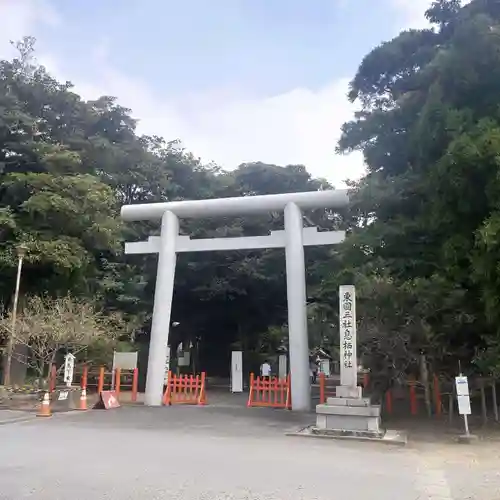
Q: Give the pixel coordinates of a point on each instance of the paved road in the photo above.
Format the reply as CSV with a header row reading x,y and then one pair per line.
x,y
225,453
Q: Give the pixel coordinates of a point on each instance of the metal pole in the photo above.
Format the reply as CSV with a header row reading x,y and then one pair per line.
x,y
466,423
11,340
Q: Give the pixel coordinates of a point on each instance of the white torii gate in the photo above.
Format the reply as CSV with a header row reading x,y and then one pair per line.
x,y
293,239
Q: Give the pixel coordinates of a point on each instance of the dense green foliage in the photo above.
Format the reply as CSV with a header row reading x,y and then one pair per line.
x,y
424,223
66,166
426,216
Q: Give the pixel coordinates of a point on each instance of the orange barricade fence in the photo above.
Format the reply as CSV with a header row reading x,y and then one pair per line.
x,y
322,388
329,391
400,396
80,376
325,391
407,397
327,388
185,389
94,378
126,380
403,398
270,392
99,379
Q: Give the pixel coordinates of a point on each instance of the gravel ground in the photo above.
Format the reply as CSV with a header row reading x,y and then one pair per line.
x,y
208,453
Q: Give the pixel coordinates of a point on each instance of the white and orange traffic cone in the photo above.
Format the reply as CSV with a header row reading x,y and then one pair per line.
x,y
83,400
44,410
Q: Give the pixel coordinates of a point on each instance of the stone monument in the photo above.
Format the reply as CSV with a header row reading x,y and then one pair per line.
x,y
348,413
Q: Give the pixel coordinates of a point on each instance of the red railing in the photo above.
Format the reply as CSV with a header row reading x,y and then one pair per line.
x,y
185,389
270,392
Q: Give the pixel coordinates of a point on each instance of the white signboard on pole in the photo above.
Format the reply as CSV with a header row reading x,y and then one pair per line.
x,y
347,323
125,360
464,405
462,385
69,368
463,397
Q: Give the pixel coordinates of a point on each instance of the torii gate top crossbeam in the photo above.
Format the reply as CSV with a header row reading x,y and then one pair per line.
x,y
243,205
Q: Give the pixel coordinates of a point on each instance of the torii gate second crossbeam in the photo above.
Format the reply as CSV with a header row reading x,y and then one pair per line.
x,y
293,239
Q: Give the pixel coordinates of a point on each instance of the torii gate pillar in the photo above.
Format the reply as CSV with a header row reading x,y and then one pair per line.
x,y
162,308
293,239
297,311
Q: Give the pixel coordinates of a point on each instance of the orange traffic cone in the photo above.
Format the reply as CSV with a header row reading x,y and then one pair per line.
x,y
83,400
44,410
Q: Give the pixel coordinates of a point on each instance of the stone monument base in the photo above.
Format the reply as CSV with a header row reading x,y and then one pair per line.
x,y
349,415
391,437
343,391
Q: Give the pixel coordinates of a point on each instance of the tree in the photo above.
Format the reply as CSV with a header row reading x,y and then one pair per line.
x,y
425,215
48,326
66,166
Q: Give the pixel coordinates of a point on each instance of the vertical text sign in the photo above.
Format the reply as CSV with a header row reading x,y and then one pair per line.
x,y
69,367
167,365
347,321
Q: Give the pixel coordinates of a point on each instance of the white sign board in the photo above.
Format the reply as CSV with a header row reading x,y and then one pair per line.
x,y
347,323
69,368
236,371
464,405
463,397
63,396
282,366
125,360
324,367
462,386
184,358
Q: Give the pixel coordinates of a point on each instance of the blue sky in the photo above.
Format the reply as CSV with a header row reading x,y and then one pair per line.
x,y
261,47
235,80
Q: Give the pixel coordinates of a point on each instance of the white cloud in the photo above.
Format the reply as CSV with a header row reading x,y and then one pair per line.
x,y
20,18
412,12
300,126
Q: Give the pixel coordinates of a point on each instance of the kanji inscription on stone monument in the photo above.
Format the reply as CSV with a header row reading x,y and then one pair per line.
x,y
347,320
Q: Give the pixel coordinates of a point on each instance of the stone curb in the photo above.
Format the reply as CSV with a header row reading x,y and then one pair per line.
x,y
393,438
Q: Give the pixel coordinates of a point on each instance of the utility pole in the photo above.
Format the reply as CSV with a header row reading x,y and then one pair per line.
x,y
21,252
